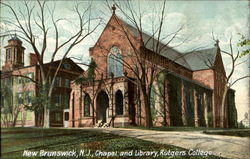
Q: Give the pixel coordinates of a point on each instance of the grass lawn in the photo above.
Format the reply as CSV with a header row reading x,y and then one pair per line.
x,y
216,131
233,132
182,128
174,128
15,140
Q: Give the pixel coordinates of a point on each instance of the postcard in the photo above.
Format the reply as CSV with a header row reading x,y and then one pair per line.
x,y
125,79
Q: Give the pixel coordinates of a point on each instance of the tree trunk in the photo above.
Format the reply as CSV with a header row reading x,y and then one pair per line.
x,y
164,104
93,102
222,118
147,109
46,118
47,95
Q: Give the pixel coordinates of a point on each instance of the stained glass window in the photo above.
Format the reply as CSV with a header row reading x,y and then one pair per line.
x,y
115,63
87,101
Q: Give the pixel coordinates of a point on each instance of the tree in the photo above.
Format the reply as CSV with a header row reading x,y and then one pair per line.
x,y
36,22
234,55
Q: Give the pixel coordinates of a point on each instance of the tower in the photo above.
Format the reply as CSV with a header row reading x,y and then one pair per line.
x,y
14,54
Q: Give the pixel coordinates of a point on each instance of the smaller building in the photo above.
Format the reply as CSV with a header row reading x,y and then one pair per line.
x,y
21,87
246,121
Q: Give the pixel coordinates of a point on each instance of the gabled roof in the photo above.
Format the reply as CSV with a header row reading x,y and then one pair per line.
x,y
68,61
201,59
196,60
164,50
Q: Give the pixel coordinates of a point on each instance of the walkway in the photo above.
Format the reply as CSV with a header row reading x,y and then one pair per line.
x,y
224,146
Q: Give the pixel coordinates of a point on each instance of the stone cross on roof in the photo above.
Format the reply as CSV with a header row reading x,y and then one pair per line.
x,y
113,8
217,43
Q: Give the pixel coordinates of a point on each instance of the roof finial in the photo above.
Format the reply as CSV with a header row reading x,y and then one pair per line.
x,y
113,8
217,43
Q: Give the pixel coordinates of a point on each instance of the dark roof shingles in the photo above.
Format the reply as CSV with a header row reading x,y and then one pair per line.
x,y
196,60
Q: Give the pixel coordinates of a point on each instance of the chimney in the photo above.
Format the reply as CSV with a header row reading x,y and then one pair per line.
x,y
33,59
91,51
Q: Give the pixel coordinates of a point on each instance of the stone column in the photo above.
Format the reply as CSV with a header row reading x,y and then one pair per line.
x,y
72,111
81,99
196,120
77,108
95,108
183,104
125,99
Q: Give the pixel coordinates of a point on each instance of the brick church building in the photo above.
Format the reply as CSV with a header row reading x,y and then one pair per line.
x,y
193,88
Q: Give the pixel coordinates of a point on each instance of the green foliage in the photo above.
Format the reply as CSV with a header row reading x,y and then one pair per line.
x,y
91,70
245,43
241,125
40,100
90,73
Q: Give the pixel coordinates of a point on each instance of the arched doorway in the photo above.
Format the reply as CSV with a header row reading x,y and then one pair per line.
x,y
102,101
119,103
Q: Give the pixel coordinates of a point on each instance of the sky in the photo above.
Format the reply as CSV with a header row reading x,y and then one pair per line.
x,y
199,19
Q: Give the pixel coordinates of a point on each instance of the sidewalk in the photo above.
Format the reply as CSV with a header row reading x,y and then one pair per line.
x,y
224,146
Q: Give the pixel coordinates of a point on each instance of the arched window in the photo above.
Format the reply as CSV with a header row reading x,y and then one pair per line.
x,y
115,64
87,101
118,103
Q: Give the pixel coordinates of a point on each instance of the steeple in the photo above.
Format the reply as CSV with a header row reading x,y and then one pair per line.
x,y
14,54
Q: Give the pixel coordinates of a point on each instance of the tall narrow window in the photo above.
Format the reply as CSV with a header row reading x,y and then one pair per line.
x,y
8,54
115,63
58,82
57,99
30,76
111,64
67,83
29,98
19,98
87,101
119,65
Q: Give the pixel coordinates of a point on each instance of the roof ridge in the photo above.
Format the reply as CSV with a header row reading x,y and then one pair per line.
x,y
201,50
